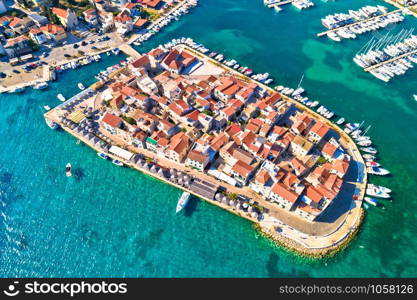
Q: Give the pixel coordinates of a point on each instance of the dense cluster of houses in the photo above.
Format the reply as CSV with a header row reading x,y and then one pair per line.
x,y
129,17
122,16
225,126
16,33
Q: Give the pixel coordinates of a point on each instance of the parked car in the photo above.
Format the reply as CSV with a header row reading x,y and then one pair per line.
x,y
83,43
67,55
75,46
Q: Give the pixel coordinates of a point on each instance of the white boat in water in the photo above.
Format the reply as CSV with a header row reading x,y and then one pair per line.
x,y
16,90
369,150
372,163
340,121
81,86
415,97
381,188
103,155
365,143
371,201
117,162
377,193
377,171
68,170
61,97
40,86
51,124
46,107
183,201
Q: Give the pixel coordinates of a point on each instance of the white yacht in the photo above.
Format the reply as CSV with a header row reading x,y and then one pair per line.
x,y
61,97
381,188
183,201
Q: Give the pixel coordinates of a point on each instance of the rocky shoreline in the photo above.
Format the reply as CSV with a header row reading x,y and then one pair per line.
x,y
297,249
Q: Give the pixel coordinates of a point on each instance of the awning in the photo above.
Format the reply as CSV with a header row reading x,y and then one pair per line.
x,y
121,152
77,116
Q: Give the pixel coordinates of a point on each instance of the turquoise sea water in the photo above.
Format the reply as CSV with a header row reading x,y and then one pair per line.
x,y
110,221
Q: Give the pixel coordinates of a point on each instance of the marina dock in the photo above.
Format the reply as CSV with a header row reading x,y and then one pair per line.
x,y
412,10
358,22
129,51
390,60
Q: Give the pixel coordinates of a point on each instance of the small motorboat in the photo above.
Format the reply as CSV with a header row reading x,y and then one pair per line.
x,y
51,124
369,157
40,86
377,171
369,150
365,143
371,201
61,97
372,163
46,107
377,193
117,162
103,155
16,90
81,86
68,170
340,121
415,97
380,188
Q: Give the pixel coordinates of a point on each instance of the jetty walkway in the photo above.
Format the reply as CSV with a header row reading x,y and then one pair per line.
x,y
412,10
358,22
390,60
279,3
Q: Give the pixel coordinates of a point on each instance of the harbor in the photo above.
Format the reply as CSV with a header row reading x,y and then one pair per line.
x,y
354,23
388,56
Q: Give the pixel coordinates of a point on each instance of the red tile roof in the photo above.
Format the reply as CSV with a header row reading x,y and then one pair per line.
x,y
141,61
263,177
341,166
52,28
320,129
329,149
141,22
243,169
313,194
197,156
14,22
60,12
112,120
282,191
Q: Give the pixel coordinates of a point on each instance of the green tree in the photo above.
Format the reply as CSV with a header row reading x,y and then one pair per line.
x,y
232,196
